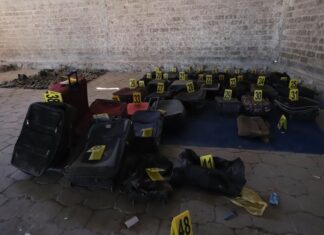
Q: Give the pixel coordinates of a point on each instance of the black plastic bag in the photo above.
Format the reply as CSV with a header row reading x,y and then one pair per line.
x,y
226,178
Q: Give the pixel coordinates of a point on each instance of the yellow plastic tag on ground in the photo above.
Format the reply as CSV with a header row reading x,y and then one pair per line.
x,y
137,97
165,76
141,84
182,76
251,202
132,83
52,96
160,88
209,79
173,69
293,95
221,77
159,75
282,124
227,94
149,76
115,98
232,82
97,152
155,174
207,161
261,81
257,95
190,87
240,78
181,224
147,132
293,84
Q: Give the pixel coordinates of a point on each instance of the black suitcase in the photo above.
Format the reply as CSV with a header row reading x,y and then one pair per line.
x,y
147,130
193,101
152,85
173,112
109,138
45,139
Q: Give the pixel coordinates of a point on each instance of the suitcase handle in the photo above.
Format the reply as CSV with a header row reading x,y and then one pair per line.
x,y
151,102
73,72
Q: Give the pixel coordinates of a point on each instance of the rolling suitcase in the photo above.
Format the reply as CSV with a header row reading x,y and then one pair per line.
x,y
74,93
100,106
152,85
251,107
126,94
101,156
228,107
304,109
173,110
147,130
193,101
45,138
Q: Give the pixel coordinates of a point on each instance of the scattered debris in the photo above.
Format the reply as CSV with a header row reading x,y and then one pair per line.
x,y
274,199
47,76
131,222
316,177
251,202
8,67
231,215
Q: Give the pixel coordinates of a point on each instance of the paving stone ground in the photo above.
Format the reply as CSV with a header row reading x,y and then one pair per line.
x,y
48,205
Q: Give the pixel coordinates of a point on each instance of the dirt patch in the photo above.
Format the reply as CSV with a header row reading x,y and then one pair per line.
x,y
9,67
47,76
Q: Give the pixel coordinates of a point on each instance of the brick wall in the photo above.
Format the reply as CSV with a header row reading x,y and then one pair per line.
x,y
302,40
136,34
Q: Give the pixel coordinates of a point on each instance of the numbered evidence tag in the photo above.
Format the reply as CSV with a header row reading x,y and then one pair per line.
x,y
173,70
160,88
155,174
149,76
52,96
232,82
137,97
147,132
282,124
207,161
141,84
115,98
132,83
221,77
293,95
257,95
293,84
182,76
190,87
97,152
181,224
165,76
209,79
159,75
261,81
227,94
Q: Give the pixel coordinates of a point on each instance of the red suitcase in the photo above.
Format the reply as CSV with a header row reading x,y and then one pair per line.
x,y
74,93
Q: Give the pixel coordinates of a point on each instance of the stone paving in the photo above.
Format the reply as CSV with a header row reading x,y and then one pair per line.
x,y
48,205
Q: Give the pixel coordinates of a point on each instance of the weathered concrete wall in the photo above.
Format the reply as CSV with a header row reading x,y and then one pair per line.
x,y
302,39
121,34
137,34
